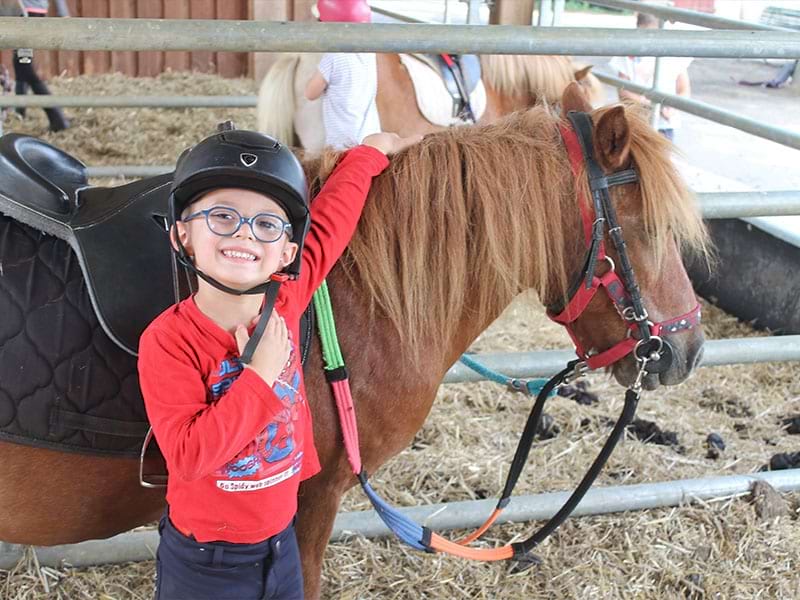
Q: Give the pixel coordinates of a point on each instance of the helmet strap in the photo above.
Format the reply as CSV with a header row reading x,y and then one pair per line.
x,y
269,303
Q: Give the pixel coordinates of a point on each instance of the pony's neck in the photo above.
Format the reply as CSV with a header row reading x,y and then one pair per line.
x,y
461,224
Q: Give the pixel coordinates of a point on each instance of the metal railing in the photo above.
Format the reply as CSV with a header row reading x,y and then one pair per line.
x,y
257,36
141,545
130,101
686,16
708,112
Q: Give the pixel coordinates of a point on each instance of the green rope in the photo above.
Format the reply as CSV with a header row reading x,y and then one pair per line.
x,y
331,353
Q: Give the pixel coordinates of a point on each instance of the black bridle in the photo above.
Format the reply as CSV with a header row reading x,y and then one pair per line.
x,y
643,340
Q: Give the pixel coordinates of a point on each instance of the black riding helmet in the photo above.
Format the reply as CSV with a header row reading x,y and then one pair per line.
x,y
242,159
253,161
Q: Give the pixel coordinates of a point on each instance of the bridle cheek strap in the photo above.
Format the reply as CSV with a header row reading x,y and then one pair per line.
x,y
610,281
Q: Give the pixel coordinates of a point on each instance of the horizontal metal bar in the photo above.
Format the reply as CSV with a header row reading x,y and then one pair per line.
x,y
128,170
706,111
681,15
131,101
142,544
265,36
597,501
785,348
728,205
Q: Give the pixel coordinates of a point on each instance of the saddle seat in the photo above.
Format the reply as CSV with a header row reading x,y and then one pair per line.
x,y
118,234
447,94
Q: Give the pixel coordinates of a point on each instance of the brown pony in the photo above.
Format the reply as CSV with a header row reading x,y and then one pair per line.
x,y
453,230
512,83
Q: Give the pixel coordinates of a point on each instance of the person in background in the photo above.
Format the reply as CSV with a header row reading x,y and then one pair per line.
x,y
24,71
673,78
347,83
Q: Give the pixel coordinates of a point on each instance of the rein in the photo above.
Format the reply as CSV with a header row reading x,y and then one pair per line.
x,y
652,354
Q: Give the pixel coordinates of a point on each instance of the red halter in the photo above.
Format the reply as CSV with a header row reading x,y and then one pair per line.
x,y
589,284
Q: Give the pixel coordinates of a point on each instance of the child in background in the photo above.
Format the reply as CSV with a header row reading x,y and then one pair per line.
x,y
348,83
227,402
673,78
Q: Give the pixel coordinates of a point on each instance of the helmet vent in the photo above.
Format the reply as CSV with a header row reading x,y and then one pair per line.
x,y
248,159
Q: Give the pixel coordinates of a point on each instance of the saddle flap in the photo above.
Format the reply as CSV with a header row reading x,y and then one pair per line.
x,y
120,237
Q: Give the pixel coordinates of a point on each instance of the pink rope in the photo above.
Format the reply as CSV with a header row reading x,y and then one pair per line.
x,y
347,417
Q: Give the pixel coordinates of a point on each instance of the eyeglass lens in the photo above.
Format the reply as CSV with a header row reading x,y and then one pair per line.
x,y
226,221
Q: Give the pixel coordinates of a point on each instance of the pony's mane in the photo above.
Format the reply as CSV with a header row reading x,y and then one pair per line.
x,y
462,222
528,75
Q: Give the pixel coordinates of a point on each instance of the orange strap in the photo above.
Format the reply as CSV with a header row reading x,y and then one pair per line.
x,y
481,530
440,544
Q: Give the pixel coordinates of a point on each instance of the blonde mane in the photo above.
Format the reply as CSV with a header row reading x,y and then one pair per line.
x,y
544,77
461,223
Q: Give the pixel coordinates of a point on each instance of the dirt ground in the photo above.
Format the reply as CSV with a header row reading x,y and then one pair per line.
x,y
719,549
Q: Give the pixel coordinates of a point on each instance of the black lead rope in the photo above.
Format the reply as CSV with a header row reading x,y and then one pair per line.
x,y
522,549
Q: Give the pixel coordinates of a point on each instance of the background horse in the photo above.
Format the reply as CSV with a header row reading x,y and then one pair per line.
x,y
512,82
477,214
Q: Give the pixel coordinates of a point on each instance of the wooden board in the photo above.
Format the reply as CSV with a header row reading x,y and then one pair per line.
x,y
95,61
150,63
231,64
205,62
123,61
176,61
68,62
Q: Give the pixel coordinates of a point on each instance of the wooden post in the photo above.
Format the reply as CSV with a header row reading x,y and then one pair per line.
x,y
512,12
275,10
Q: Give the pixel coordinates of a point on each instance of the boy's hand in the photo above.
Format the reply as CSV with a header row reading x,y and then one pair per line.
x,y
272,351
390,143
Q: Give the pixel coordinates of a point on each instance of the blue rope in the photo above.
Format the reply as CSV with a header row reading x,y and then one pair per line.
x,y
403,527
529,386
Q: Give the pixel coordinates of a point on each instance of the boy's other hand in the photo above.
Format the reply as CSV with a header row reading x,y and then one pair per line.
x,y
390,143
272,351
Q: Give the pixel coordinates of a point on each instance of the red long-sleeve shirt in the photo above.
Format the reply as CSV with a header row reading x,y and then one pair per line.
x,y
236,449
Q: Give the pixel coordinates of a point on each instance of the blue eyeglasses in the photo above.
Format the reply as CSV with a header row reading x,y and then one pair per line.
x,y
226,221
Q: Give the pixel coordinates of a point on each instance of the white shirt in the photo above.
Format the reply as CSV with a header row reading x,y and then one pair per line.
x,y
348,104
639,69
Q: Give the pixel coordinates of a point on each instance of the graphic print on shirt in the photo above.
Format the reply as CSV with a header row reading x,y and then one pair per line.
x,y
274,455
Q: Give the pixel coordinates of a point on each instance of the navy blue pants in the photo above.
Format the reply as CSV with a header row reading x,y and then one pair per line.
x,y
189,570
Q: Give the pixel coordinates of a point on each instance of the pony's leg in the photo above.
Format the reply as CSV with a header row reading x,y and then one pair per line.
x,y
318,503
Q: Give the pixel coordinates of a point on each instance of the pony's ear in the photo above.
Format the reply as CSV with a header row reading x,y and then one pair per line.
x,y
573,98
582,73
612,139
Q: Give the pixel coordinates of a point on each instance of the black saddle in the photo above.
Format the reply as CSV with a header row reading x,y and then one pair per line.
x,y
119,234
461,75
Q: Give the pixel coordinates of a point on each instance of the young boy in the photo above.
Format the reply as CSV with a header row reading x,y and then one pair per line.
x,y
236,432
348,83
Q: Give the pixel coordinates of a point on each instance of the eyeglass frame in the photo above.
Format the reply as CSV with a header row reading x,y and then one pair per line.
x,y
286,227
